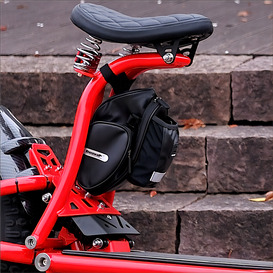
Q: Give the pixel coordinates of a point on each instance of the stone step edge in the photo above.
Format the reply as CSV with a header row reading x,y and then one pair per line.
x,y
164,202
202,64
221,225
222,131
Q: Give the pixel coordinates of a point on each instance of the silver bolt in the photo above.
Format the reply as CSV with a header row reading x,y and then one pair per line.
x,y
168,58
59,168
46,197
42,262
98,243
48,167
30,242
101,205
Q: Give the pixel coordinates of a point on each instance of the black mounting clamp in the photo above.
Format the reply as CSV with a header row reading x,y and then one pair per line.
x,y
168,52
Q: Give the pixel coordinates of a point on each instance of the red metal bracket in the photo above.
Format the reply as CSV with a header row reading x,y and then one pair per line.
x,y
80,202
41,156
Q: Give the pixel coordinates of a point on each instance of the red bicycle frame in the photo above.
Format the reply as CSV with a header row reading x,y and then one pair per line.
x,y
70,200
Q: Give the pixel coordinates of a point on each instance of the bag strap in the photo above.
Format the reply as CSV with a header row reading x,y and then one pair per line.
x,y
149,112
120,83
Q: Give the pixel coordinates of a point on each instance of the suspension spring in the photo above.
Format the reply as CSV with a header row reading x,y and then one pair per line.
x,y
88,57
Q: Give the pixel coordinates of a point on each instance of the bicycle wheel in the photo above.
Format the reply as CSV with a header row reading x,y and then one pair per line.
x,y
17,217
16,225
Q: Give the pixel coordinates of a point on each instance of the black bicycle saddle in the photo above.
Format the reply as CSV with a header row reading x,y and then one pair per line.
x,y
109,25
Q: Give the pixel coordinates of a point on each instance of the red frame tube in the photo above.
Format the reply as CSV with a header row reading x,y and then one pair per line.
x,y
68,263
91,98
24,184
16,253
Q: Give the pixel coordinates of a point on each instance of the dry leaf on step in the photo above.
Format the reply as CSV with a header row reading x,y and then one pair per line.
x,y
244,20
260,199
192,123
243,13
3,28
153,193
269,196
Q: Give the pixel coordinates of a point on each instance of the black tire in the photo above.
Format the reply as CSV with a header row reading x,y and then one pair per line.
x,y
21,212
16,225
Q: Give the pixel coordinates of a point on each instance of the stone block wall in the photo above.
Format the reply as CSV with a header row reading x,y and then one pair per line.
x,y
252,90
215,89
202,205
240,160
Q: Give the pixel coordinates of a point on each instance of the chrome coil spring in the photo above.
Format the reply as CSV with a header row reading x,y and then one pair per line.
x,y
88,56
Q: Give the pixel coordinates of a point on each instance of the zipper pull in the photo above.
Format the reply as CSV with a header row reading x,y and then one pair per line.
x,y
162,102
129,162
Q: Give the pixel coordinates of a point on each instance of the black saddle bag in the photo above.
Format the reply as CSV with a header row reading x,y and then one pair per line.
x,y
131,137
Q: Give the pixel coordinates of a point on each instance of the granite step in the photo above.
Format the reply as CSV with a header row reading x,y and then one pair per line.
x,y
215,89
221,225
214,159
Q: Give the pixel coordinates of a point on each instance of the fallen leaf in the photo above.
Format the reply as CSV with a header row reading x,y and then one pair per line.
x,y
3,28
233,125
153,193
269,196
244,20
260,199
191,123
270,16
268,2
243,13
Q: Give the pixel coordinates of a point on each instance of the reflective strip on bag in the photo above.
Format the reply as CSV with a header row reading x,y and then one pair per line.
x,y
156,177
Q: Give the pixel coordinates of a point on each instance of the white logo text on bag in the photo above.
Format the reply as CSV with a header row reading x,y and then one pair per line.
x,y
95,154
